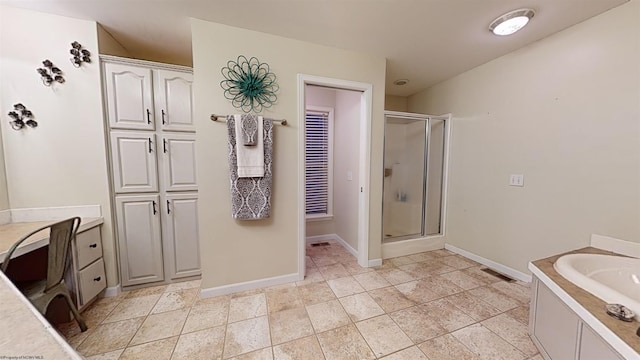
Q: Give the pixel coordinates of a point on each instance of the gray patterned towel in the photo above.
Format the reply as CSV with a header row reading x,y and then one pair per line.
x,y
249,126
251,196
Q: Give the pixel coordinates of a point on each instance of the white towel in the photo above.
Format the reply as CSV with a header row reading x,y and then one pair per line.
x,y
250,158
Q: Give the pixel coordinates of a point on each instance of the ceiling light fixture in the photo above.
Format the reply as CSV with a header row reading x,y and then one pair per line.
x,y
401,82
511,22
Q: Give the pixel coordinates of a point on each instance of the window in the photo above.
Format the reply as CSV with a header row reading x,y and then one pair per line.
x,y
319,162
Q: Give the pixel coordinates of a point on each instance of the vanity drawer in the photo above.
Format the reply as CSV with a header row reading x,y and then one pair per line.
x,y
92,281
88,247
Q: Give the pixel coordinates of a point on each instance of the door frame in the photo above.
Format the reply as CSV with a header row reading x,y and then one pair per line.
x,y
363,163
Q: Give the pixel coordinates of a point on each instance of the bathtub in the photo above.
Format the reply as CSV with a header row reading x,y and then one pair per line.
x,y
613,279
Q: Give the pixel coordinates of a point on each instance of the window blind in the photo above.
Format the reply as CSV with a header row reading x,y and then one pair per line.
x,y
317,162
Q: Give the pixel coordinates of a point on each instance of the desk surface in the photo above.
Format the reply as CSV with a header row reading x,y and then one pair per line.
x,y
12,232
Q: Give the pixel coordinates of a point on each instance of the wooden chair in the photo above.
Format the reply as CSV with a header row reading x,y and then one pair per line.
x,y
42,292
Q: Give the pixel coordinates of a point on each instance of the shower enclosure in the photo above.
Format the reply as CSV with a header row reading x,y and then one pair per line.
x,y
414,166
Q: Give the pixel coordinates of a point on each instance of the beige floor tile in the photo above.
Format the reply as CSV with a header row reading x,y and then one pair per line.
x,y
96,313
77,339
417,270
517,292
109,337
361,307
447,315
310,277
315,293
417,324
333,271
521,313
396,276
184,285
156,350
160,326
486,344
417,291
537,357
412,353
494,297
174,300
457,262
247,293
515,332
354,268
475,307
436,267
345,286
441,252
402,260
371,281
283,299
207,315
289,325
247,307
210,300
344,343
420,257
383,335
391,299
477,273
152,290
386,264
304,348
133,308
463,280
327,315
203,344
324,260
262,354
112,355
441,286
246,336
447,347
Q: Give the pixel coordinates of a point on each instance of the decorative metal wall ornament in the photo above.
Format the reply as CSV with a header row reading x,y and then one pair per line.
x,y
50,73
80,55
249,84
21,116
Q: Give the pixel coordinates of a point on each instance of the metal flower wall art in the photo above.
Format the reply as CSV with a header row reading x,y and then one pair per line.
x,y
21,116
50,73
80,55
249,84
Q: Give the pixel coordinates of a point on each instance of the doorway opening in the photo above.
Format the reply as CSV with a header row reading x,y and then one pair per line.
x,y
333,179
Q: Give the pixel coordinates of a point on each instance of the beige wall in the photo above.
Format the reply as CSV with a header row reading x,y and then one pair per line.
x,y
4,194
62,162
238,251
346,159
565,112
107,45
395,103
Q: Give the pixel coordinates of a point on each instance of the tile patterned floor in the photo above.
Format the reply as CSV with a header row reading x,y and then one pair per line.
x,y
433,305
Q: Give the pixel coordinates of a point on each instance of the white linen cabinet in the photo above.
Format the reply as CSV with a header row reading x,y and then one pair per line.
x,y
153,166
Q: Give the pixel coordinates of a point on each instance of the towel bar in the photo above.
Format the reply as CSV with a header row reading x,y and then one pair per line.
x,y
215,117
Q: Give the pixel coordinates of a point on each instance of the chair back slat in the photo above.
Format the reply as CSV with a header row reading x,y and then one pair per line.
x,y
59,249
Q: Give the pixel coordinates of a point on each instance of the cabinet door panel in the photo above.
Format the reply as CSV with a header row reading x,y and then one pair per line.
x,y
139,239
129,97
179,162
182,246
592,347
174,100
556,326
133,157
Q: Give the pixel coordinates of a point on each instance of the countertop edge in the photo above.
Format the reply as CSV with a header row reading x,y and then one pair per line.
x,y
601,329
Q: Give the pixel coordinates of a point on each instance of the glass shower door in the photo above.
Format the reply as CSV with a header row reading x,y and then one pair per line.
x,y
405,147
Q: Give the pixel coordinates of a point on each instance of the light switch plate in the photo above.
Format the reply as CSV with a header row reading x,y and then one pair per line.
x,y
516,180
349,176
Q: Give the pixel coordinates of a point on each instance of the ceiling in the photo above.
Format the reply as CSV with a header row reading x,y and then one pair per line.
x,y
425,41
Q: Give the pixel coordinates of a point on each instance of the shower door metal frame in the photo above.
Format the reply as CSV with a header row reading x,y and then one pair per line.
x,y
425,175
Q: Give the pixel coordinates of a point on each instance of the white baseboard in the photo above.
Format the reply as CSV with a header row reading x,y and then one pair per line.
x,y
336,237
112,291
250,285
375,262
5,216
411,246
619,246
55,213
490,264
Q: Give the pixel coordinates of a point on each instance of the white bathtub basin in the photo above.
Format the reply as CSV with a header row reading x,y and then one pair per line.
x,y
613,279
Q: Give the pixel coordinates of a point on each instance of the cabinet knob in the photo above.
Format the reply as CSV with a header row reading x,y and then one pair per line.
x,y
93,246
97,278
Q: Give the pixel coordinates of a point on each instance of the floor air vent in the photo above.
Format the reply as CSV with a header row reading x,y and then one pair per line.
x,y
498,275
321,244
